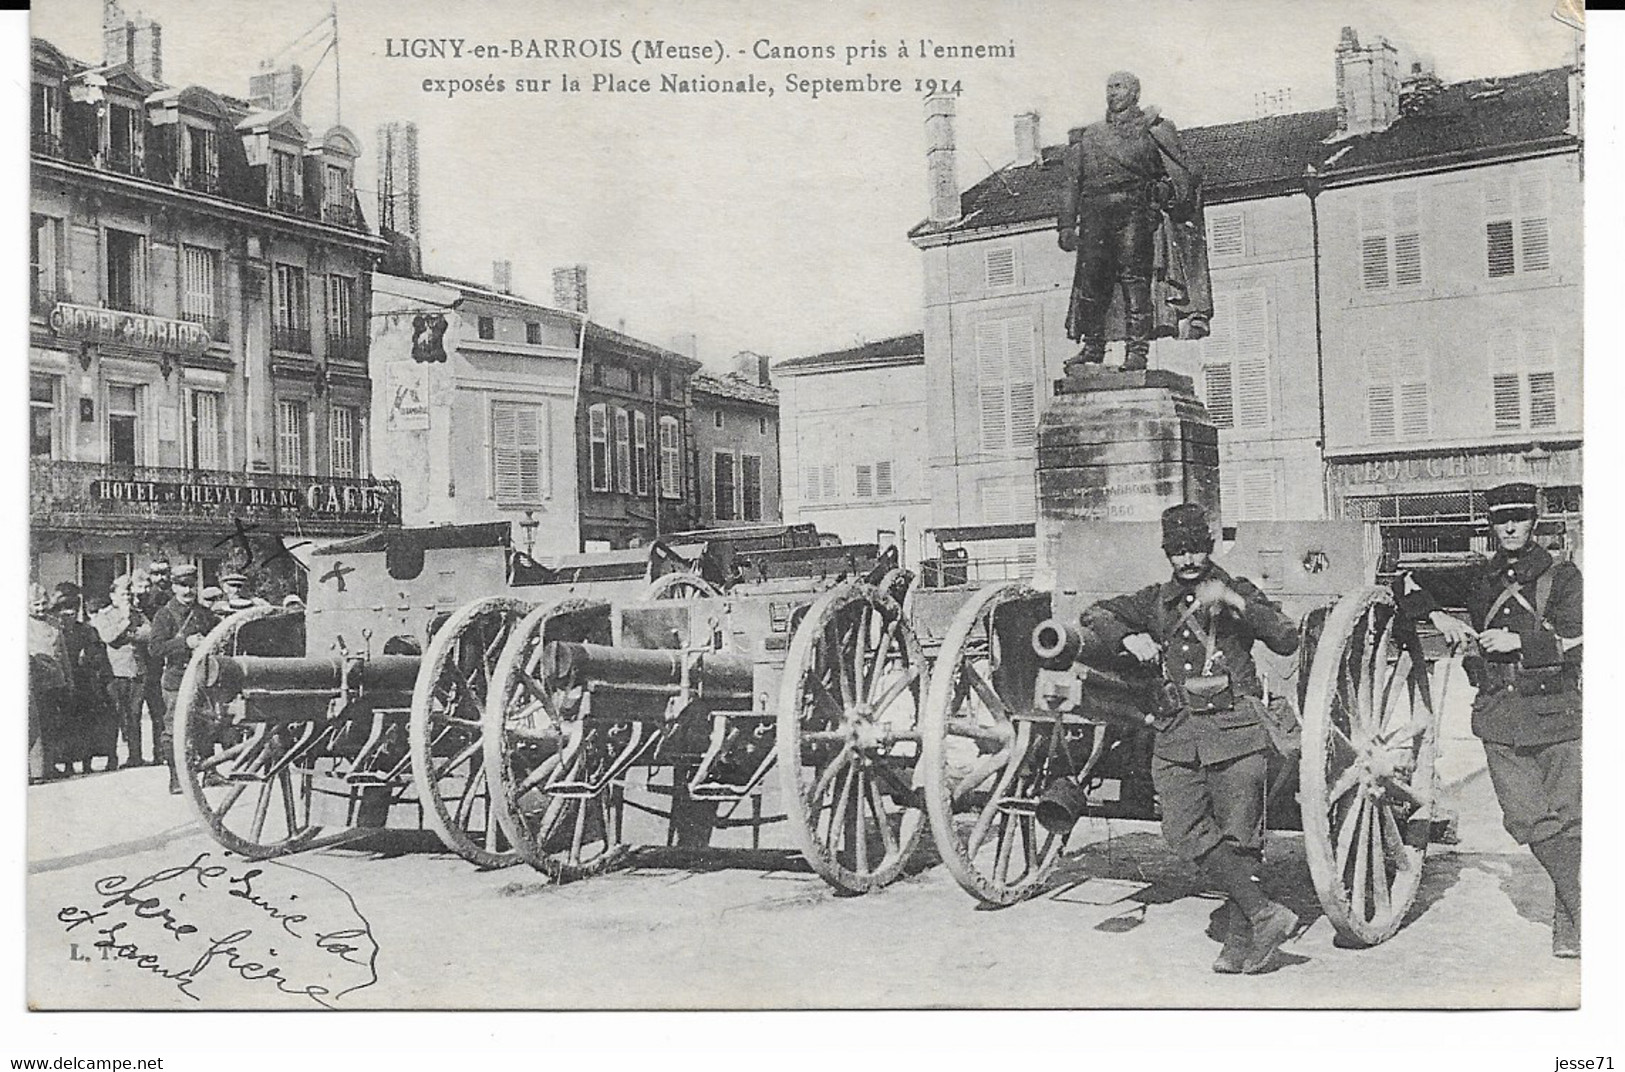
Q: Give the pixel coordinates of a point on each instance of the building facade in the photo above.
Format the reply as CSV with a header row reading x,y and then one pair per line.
x,y
474,413
1397,301
736,438
855,447
198,361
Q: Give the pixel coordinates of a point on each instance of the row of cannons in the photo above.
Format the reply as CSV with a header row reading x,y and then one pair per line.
x,y
524,724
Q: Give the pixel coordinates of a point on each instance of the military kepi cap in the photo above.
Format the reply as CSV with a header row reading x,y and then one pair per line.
x,y
157,566
1513,501
184,575
1185,528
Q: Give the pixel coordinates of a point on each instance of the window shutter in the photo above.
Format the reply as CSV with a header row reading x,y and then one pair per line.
x,y
1508,390
1218,391
1226,237
751,484
995,504
623,450
598,445
1259,493
883,479
505,452
832,486
1380,391
990,376
1415,406
1023,394
809,483
1498,239
1533,240
1407,259
1542,400
1374,242
1250,312
1000,267
640,443
865,482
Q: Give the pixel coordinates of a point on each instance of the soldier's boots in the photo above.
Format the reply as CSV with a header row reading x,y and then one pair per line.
x,y
1092,352
1238,941
1272,925
1135,362
1565,934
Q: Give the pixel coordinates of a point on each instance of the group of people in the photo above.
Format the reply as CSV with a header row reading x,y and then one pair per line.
x,y
100,666
1522,652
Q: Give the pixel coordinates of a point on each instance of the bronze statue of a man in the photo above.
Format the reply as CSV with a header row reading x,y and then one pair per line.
x,y
1131,209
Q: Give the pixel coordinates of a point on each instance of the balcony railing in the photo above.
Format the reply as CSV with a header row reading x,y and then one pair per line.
x,y
295,339
218,327
288,201
204,182
340,215
99,497
347,347
129,161
46,142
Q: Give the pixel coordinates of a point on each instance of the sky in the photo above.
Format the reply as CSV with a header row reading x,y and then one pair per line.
x,y
777,225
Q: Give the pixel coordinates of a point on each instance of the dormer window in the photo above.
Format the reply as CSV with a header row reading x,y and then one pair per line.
x,y
283,184
47,128
337,195
202,160
124,139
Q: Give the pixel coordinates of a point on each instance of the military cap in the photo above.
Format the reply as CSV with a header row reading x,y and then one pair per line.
x,y
240,602
157,567
67,589
211,593
292,600
184,574
1185,528
1510,501
233,577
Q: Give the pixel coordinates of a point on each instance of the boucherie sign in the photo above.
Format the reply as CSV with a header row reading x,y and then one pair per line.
x,y
137,330
318,498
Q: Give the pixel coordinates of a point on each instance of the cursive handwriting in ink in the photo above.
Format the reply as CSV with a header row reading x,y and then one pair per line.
x,y
246,893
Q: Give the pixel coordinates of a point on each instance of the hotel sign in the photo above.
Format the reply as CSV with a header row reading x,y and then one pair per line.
x,y
91,324
316,499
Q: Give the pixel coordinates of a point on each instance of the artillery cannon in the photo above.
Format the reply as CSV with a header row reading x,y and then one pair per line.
x,y
1011,715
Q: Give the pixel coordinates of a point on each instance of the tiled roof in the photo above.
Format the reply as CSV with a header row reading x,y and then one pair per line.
x,y
898,346
1465,121
733,386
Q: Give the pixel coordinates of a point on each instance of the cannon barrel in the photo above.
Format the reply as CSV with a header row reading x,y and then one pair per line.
x,y
392,673
1056,644
564,661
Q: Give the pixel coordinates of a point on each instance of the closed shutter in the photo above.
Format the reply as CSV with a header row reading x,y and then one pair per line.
x,y
1534,242
865,482
1226,236
1250,312
1506,378
1542,359
623,450
751,479
1374,242
1006,384
206,430
640,450
516,440
991,390
1000,267
883,479
1407,239
598,446
671,473
1379,372
1219,393
342,439
198,283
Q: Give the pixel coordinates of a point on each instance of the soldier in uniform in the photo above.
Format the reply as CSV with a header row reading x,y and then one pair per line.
x,y
1526,625
1120,174
153,599
236,588
1208,763
179,626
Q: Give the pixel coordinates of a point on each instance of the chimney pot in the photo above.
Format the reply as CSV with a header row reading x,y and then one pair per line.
x,y
502,275
939,159
570,288
1367,84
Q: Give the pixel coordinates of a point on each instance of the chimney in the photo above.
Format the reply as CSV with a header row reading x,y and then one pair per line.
x,y
1418,88
1367,85
398,180
502,275
1577,90
687,344
939,159
750,366
277,90
138,41
570,288
1028,146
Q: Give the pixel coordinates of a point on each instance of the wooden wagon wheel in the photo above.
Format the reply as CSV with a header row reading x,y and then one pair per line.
x,y
1366,780
448,708
848,740
245,778
983,767
680,586
535,743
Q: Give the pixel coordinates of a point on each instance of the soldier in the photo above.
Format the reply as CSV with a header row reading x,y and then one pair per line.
x,y
153,600
1208,763
236,587
124,629
1526,621
178,627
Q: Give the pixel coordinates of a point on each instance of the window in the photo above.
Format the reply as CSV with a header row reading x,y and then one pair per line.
x,y
533,333
820,483
671,459
47,118
1007,502
516,452
42,410
761,426
873,480
343,422
124,139
1005,383
336,195
1235,382
598,446
883,480
1000,267
201,170
640,451
1226,234
43,257
126,271
205,433
723,486
1523,378
488,327
1250,490
199,278
343,339
1390,240
291,423
1397,391
291,327
1516,233
750,477
634,381
284,183
623,450
124,438
716,419
665,385
598,375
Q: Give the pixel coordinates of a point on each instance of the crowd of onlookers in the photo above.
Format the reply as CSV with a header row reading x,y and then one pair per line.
x,y
103,664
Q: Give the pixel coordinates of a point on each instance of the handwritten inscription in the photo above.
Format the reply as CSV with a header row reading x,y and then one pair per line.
x,y
216,925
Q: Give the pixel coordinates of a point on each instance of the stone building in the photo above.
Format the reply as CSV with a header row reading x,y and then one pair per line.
x,y
1397,291
736,438
199,278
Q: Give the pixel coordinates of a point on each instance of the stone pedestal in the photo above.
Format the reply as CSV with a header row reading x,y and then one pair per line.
x,y
1123,446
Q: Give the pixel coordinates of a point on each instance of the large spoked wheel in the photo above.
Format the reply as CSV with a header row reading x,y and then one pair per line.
x,y
848,738
1366,782
540,753
680,586
248,779
985,766
448,750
